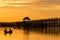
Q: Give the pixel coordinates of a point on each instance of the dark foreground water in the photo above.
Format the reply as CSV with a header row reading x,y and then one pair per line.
x,y
19,34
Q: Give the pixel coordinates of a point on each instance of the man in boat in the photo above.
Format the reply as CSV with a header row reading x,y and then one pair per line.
x,y
5,31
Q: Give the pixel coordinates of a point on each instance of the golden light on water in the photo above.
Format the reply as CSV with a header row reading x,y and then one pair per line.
x,y
19,35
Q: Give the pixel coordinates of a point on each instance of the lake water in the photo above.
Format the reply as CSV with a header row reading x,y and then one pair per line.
x,y
19,34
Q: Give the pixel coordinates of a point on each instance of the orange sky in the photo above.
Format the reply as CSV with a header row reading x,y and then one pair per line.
x,y
32,8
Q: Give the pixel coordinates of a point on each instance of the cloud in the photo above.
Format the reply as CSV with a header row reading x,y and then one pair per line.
x,y
36,3
13,3
47,2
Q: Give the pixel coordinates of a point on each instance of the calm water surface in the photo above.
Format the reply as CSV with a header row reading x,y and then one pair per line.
x,y
19,34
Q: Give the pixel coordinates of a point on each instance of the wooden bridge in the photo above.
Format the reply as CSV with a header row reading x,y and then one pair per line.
x,y
52,24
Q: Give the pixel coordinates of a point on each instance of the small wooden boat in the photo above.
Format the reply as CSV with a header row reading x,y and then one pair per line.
x,y
6,32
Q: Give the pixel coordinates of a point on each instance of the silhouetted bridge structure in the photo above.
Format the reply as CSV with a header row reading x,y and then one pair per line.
x,y
47,22
34,23
43,24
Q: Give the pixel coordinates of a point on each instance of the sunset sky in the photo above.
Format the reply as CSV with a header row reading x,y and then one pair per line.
x,y
16,10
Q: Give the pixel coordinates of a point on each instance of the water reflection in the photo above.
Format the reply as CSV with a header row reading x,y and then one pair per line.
x,y
26,35
20,34
48,30
27,30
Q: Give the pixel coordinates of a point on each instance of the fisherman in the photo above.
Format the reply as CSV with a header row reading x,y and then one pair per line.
x,y
10,31
5,31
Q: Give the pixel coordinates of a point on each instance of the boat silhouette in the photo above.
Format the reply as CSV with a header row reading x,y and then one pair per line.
x,y
6,32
